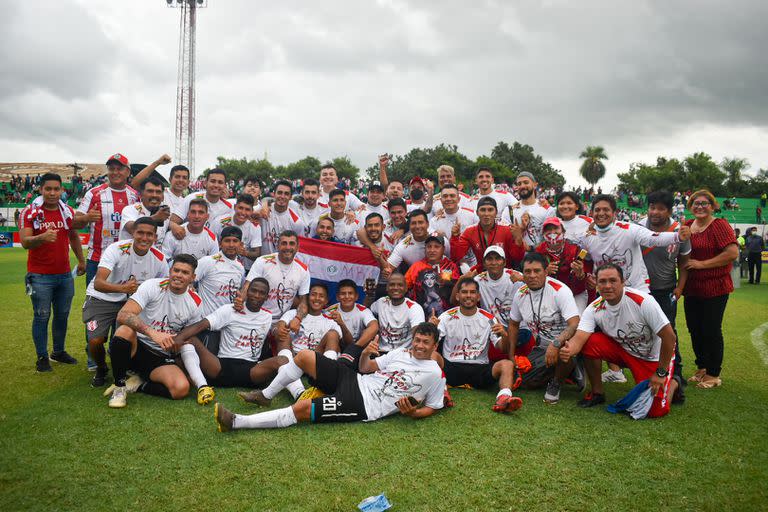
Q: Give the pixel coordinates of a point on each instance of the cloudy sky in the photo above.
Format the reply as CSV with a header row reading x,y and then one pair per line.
x,y
82,79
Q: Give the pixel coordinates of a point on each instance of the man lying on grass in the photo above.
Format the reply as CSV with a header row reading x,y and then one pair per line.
x,y
405,380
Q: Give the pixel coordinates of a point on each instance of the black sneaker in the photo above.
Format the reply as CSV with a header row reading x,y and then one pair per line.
x,y
63,357
100,378
591,400
44,364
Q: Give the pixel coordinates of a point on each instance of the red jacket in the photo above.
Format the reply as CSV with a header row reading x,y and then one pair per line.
x,y
568,256
473,238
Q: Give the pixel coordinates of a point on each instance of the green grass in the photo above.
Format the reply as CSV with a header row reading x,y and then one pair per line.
x,y
62,448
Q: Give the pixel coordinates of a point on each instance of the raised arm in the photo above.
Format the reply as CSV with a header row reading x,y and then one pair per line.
x,y
147,171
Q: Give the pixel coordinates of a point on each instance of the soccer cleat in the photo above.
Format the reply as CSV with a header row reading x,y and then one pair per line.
x,y
254,397
63,357
507,403
100,378
591,400
447,399
43,364
119,398
224,418
310,393
205,395
612,376
552,394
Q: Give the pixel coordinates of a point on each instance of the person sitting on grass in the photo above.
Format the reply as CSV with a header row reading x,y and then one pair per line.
x,y
466,332
240,360
635,334
406,380
149,322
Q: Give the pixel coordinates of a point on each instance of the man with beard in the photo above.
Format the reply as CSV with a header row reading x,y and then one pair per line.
x,y
151,206
466,333
344,228
529,213
450,213
149,321
485,234
485,188
250,248
406,380
309,210
393,228
123,266
634,333
324,228
281,218
397,315
379,245
198,240
410,248
431,280
218,206
239,361
547,307
446,176
375,203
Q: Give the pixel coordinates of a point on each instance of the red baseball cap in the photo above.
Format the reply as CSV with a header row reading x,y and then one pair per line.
x,y
416,179
551,221
119,158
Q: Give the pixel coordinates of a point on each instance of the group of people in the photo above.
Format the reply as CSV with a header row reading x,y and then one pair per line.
x,y
500,289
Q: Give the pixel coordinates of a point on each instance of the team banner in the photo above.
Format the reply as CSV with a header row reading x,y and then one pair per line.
x,y
330,262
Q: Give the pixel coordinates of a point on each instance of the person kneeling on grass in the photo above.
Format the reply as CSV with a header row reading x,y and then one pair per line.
x,y
466,333
635,334
239,360
406,380
150,320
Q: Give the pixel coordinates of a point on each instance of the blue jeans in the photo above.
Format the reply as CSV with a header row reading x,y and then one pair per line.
x,y
50,292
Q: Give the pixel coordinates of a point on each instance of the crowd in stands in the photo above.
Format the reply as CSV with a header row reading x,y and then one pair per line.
x,y
510,286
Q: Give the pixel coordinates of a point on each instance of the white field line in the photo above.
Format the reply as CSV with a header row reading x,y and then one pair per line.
x,y
758,340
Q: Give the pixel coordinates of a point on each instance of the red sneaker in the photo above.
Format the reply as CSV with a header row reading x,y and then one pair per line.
x,y
447,400
506,403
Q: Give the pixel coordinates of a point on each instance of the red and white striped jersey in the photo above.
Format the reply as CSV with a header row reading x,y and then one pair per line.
x,y
110,203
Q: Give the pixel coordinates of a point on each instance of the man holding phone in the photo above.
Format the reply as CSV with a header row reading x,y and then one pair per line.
x,y
152,194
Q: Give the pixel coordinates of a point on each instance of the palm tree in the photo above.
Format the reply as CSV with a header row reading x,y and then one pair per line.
x,y
734,168
593,170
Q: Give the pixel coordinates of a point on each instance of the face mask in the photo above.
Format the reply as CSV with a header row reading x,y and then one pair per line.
x,y
554,238
417,194
603,230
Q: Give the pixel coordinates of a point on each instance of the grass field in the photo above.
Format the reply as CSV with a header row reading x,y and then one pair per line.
x,y
62,448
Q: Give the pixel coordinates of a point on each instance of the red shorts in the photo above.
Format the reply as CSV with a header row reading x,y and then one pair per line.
x,y
602,346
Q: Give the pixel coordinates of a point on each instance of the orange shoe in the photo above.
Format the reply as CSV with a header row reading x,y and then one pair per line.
x,y
507,403
447,400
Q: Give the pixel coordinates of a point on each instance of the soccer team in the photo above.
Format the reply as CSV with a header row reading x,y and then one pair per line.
x,y
496,289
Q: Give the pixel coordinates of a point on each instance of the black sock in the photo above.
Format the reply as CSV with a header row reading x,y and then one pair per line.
x,y
351,356
155,388
120,353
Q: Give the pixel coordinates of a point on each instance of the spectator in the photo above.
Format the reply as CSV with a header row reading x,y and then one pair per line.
x,y
754,247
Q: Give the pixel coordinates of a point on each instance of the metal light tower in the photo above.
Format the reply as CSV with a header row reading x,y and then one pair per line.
x,y
185,90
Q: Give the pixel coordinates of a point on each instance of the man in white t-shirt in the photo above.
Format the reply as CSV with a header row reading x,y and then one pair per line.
x,y
124,265
397,315
497,284
504,200
549,310
529,213
410,248
281,217
250,249
442,222
219,275
375,203
151,206
466,332
198,240
239,360
619,242
309,210
329,181
408,381
179,182
634,333
446,176
218,206
357,323
288,279
144,342
344,227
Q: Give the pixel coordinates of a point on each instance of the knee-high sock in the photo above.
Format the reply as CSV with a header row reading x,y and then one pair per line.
x,y
296,388
278,418
155,388
120,353
192,364
285,375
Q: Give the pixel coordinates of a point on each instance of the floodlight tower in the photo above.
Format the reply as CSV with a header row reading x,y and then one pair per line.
x,y
185,90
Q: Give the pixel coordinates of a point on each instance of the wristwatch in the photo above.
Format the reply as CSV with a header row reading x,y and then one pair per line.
x,y
662,372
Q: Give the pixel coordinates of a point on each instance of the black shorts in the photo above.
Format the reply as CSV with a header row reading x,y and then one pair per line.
x,y
146,360
344,402
479,376
234,373
211,340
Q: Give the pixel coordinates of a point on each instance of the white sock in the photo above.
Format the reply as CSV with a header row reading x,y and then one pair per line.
x,y
505,391
279,418
296,388
192,364
331,354
285,376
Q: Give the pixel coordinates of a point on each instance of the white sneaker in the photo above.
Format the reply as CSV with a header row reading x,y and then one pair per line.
x,y
612,376
119,398
133,383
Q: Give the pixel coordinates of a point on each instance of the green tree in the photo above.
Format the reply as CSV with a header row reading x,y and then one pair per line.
x,y
344,168
702,172
735,169
425,161
521,157
304,168
593,169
